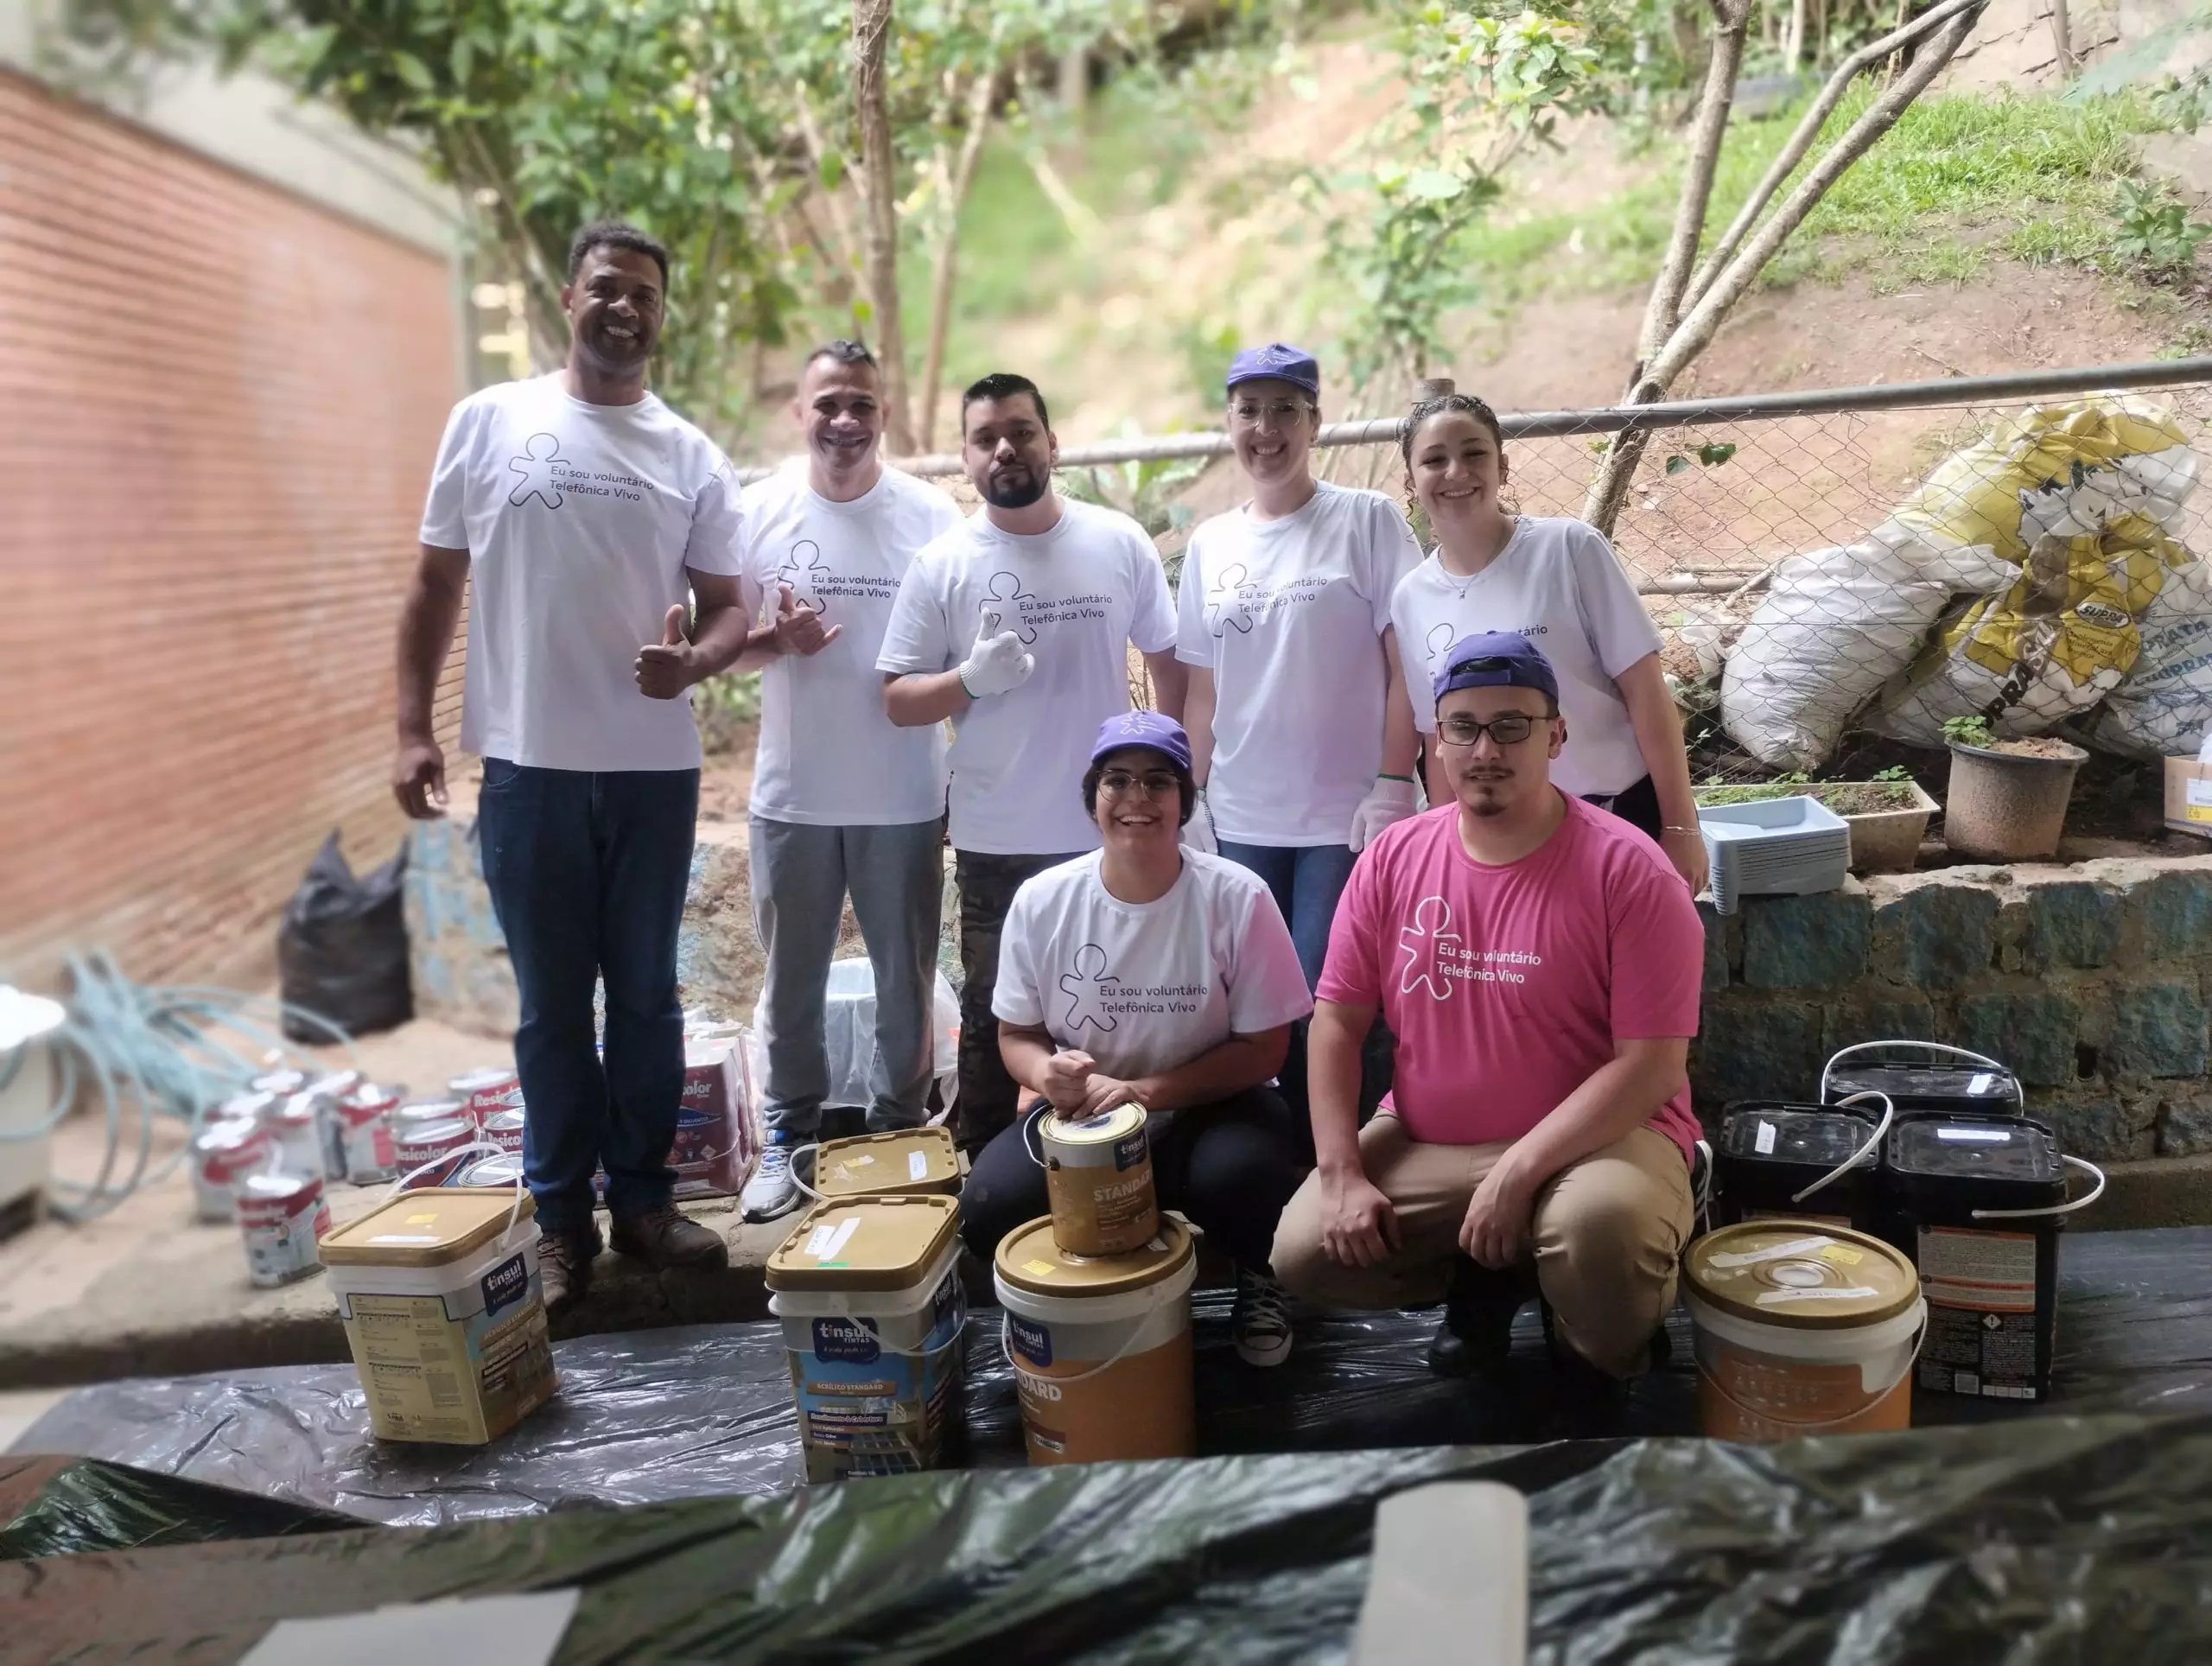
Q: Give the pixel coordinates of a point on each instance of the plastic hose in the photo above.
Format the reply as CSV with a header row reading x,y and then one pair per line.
x,y
154,1051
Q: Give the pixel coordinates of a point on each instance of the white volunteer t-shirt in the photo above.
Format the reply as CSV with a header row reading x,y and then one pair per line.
x,y
579,520
1289,614
1558,582
1079,595
829,757
1146,987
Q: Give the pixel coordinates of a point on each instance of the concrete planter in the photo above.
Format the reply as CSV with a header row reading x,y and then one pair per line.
x,y
1888,841
2008,806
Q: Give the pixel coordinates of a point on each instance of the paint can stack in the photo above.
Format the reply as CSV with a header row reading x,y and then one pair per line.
x,y
429,1139
1098,1299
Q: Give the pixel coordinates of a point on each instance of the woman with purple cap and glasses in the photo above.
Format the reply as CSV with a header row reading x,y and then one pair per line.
x,y
1150,974
1555,580
1301,733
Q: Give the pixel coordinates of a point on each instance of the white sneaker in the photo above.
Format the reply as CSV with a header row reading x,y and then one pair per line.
x,y
1260,1322
771,1191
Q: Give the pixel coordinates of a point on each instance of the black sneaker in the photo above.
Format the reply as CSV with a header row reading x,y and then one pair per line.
x,y
1260,1322
1476,1333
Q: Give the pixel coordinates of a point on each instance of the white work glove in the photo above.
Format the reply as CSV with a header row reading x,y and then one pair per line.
x,y
1198,832
996,664
1391,800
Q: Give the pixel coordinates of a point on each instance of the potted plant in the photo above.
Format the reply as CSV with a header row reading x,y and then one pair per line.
x,y
1888,816
2007,798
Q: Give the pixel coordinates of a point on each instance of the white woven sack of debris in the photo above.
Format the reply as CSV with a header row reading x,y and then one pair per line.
x,y
2163,705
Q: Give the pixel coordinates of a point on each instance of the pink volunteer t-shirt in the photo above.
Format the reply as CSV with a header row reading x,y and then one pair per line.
x,y
1506,986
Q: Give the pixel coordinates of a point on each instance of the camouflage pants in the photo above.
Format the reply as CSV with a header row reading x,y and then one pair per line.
x,y
987,1094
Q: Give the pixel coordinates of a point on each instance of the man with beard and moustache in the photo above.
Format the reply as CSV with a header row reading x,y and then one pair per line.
x,y
1016,625
581,514
1538,961
844,801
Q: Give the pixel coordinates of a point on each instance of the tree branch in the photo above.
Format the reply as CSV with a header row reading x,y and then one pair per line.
x,y
1800,140
941,282
1723,64
880,228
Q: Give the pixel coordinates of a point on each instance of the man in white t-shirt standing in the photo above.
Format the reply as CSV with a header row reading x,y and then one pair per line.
x,y
1016,625
581,514
844,801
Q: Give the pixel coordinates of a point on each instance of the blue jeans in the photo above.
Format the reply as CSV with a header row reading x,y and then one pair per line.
x,y
588,875
1306,880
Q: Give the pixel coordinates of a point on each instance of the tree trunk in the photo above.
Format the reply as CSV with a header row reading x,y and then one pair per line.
x,y
2062,37
879,229
1075,80
1724,62
1793,39
941,282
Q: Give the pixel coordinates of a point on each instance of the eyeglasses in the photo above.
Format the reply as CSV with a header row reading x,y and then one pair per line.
x,y
1157,783
1509,730
1247,413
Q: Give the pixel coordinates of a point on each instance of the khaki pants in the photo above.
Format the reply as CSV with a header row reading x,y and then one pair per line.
x,y
1609,1231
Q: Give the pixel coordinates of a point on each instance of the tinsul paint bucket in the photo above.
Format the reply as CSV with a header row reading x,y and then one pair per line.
x,y
869,1294
223,1154
444,1313
1939,1077
1801,1329
1810,1162
1978,1202
1098,1175
913,1162
1101,1347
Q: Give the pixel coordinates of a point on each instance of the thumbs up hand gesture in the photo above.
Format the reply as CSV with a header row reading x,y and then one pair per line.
x,y
665,669
799,628
997,662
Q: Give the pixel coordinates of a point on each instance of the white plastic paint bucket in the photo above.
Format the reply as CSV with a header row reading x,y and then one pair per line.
x,y
1802,1328
1100,1346
1098,1176
868,1291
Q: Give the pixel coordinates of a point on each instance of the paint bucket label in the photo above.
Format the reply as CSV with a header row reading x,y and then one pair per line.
x,y
1982,1313
1141,1406
461,1368
878,1396
504,1129
1747,1396
483,1091
1033,1343
1101,1185
436,1148
283,1218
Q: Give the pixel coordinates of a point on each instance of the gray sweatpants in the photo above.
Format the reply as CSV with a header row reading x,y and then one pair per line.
x,y
800,876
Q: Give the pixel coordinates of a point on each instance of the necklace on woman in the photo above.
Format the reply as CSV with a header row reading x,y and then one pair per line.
x,y
1462,585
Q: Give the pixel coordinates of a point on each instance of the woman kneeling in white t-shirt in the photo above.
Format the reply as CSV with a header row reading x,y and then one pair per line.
x,y
1558,582
1150,974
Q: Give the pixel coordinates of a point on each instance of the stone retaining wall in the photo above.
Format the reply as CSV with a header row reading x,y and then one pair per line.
x,y
2089,980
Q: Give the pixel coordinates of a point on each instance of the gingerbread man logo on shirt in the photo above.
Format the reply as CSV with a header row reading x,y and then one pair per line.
x,y
1001,606
1440,644
1228,606
1429,946
805,571
541,455
1087,988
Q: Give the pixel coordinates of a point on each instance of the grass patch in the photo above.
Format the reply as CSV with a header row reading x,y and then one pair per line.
x,y
2044,169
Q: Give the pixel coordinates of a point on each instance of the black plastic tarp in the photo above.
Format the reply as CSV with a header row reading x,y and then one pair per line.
x,y
654,1415
2060,1540
61,1506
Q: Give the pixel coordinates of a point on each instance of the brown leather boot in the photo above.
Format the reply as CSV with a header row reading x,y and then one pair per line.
x,y
667,1237
564,1261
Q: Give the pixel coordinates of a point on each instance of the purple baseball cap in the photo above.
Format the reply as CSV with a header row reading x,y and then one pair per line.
x,y
1277,362
1144,729
1496,659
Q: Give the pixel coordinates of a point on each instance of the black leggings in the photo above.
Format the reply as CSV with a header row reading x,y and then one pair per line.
x,y
1637,805
1230,1167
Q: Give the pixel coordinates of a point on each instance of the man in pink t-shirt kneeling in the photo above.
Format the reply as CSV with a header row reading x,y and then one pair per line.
x,y
1538,961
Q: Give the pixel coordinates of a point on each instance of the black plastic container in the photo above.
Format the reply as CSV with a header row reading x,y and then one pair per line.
x,y
1991,1285
1770,1150
1926,1084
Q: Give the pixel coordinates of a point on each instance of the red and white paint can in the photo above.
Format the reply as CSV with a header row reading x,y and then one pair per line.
x,y
438,1149
222,1153
504,1129
283,1216
483,1091
363,1121
295,1122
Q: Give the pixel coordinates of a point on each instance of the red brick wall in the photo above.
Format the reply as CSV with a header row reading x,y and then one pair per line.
x,y
219,404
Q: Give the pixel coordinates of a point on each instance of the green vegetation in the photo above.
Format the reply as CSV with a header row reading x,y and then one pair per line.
x,y
1884,792
2040,176
1971,731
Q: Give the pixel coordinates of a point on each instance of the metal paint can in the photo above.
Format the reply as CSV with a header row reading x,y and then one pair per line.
x,y
1098,1175
420,1113
222,1153
295,1124
283,1218
363,1121
504,1129
433,1147
506,1169
483,1091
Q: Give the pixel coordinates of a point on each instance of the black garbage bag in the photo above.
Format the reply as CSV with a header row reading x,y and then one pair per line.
x,y
341,950
59,1506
